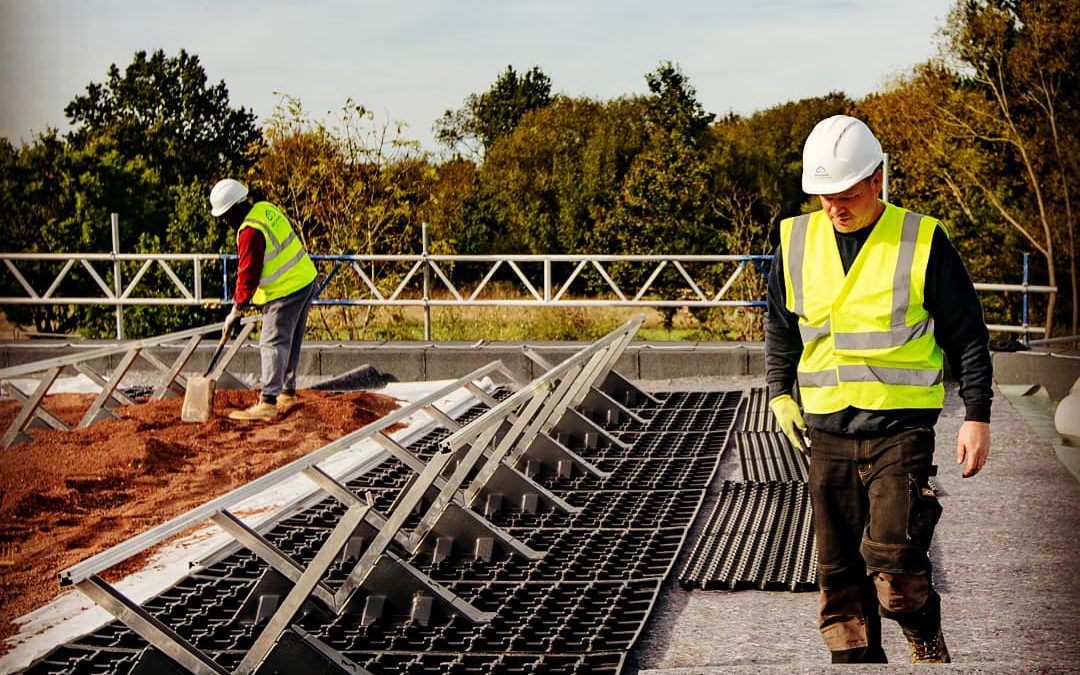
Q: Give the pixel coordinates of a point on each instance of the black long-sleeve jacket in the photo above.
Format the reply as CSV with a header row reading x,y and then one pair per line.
x,y
959,329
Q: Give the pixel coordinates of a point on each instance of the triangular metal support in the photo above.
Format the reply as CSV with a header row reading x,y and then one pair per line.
x,y
607,411
473,535
298,652
559,458
266,595
402,590
623,390
577,430
41,417
508,484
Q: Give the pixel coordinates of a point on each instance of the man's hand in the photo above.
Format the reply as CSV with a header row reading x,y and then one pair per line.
x,y
789,417
232,322
972,446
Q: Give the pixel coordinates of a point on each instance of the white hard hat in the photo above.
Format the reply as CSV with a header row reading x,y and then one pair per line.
x,y
839,152
225,194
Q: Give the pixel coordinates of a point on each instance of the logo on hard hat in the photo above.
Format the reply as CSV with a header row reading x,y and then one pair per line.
x,y
821,172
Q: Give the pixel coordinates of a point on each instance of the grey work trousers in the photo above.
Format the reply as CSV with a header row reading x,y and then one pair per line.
x,y
283,325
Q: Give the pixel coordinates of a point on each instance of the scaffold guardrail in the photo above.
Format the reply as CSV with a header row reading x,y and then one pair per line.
x,y
417,280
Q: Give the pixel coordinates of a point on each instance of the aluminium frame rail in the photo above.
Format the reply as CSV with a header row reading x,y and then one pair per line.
x,y
171,382
538,406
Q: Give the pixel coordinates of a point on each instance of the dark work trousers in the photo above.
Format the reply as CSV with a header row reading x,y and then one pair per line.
x,y
874,516
282,334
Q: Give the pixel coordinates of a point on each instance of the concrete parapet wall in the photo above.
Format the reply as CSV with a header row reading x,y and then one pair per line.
x,y
408,361
1056,372
417,361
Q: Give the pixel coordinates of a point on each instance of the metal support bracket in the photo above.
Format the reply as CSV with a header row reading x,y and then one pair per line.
x,y
97,409
606,410
507,483
577,430
621,389
149,628
172,382
304,587
470,532
27,412
546,450
42,415
232,351
400,585
273,556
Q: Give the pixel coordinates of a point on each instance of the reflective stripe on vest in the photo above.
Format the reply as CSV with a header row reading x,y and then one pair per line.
x,y
900,333
797,252
903,376
820,378
811,333
276,246
287,267
871,359
296,259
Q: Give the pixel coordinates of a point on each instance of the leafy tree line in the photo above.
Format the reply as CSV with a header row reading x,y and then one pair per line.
x,y
983,135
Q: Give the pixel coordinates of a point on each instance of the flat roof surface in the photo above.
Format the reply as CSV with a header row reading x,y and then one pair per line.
x,y
1005,556
1005,562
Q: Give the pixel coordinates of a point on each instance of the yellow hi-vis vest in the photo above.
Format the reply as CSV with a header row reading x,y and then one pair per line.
x,y
286,265
868,342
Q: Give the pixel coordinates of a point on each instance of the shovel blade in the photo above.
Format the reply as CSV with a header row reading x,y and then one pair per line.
x,y
198,400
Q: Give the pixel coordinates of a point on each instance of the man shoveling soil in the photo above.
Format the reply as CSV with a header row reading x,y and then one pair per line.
x,y
275,274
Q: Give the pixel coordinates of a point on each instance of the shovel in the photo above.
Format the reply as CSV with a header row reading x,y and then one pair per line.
x,y
199,397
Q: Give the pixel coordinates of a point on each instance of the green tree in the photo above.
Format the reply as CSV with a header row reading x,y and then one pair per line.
x,y
666,205
453,185
927,174
144,144
357,187
495,113
162,110
1012,106
673,106
546,186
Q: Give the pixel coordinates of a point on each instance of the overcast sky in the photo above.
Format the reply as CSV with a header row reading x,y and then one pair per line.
x,y
410,60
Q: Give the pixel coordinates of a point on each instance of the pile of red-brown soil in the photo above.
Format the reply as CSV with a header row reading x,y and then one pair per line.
x,y
68,495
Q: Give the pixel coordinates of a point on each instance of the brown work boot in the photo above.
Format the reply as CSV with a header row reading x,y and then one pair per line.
x,y
286,402
260,412
928,651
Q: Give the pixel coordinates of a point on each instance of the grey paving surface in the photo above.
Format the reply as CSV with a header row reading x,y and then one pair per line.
x,y
1006,565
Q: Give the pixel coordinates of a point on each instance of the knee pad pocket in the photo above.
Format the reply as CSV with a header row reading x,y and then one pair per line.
x,y
924,511
899,542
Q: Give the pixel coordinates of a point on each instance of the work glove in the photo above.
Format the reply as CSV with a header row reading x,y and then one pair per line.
x,y
789,417
232,322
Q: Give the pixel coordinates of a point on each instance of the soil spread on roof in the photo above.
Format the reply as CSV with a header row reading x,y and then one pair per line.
x,y
68,495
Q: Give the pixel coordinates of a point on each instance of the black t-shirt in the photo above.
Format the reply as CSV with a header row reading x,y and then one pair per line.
x,y
959,328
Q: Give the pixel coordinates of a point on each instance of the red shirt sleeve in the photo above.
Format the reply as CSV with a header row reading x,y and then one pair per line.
x,y
251,245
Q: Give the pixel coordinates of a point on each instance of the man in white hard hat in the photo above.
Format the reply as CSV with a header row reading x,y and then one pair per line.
x,y
864,299
275,274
